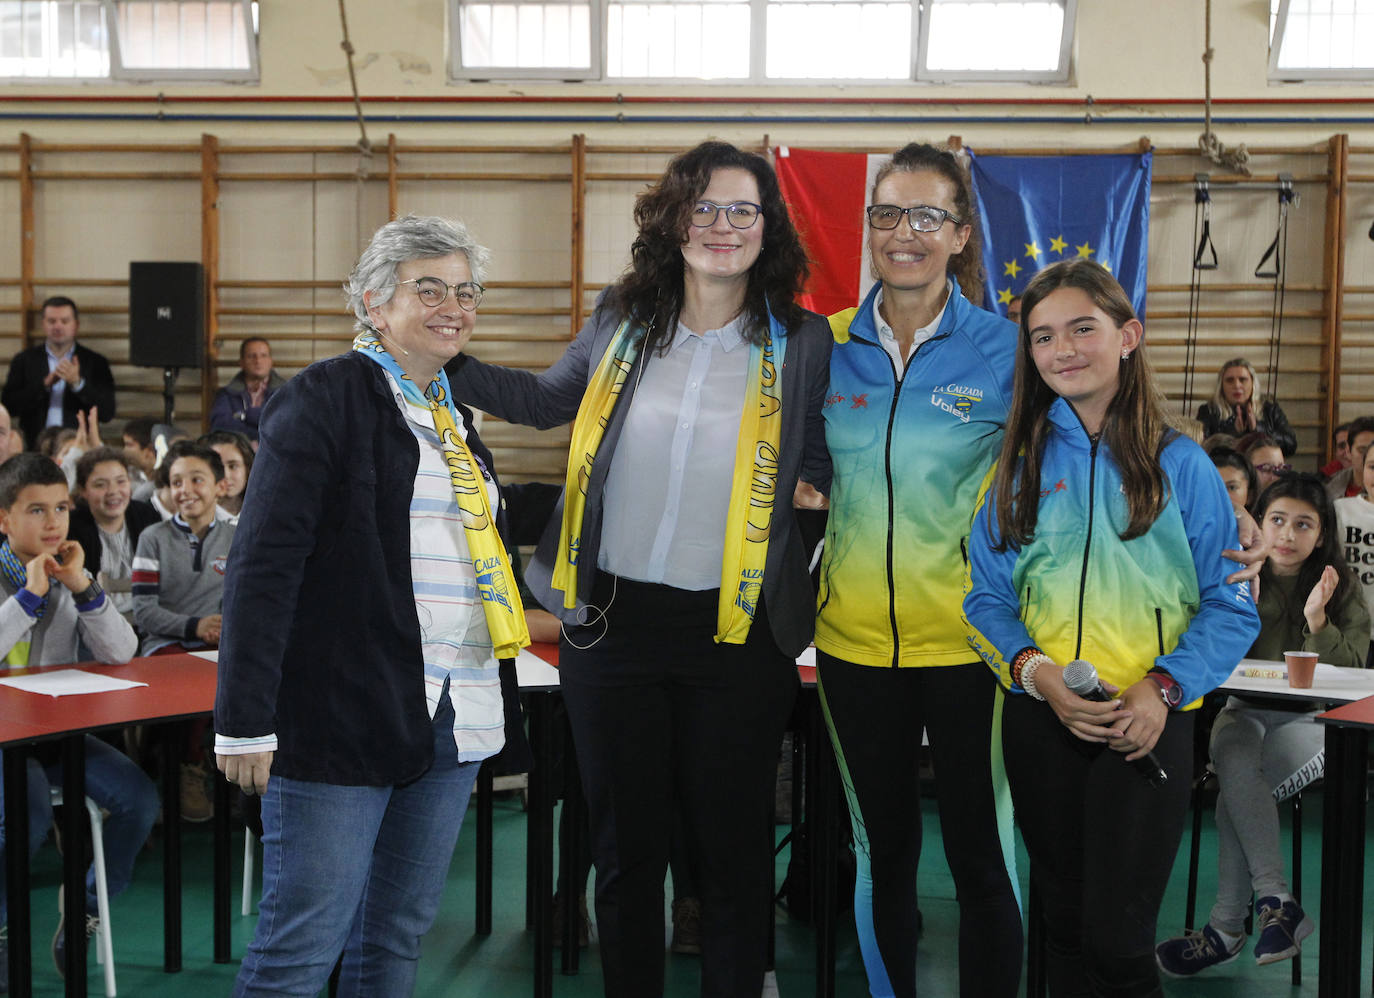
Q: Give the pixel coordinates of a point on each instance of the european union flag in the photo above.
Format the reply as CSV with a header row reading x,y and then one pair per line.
x,y
1037,210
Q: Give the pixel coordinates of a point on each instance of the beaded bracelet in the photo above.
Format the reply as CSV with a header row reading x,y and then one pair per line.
x,y
1020,660
1028,672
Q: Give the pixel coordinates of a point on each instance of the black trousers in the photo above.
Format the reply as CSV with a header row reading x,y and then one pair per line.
x,y
660,710
1102,843
876,715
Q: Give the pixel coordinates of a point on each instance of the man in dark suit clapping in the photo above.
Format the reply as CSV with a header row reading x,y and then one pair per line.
x,y
49,383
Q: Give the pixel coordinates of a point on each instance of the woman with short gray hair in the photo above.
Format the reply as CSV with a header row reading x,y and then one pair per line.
x,y
366,603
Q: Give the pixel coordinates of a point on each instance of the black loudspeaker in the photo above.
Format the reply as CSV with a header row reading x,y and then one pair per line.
x,y
166,314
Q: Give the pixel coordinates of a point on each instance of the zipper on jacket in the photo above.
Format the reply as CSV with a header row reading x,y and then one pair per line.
x,y
1087,543
891,509
1159,628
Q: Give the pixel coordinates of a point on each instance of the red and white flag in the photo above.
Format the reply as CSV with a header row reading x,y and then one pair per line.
x,y
826,193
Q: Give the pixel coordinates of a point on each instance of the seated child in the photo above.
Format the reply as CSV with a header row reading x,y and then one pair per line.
x,y
1242,485
142,454
236,451
106,513
50,605
1355,515
178,586
178,577
1265,751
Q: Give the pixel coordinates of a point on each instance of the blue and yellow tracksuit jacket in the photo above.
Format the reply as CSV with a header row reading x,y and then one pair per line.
x,y
909,460
1077,590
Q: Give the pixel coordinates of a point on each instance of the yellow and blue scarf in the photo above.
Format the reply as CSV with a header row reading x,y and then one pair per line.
x,y
752,490
495,582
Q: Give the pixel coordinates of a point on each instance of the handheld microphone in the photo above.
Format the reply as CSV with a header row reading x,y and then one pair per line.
x,y
1081,678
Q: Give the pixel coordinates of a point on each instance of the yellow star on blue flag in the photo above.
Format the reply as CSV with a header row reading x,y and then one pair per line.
x,y
1036,210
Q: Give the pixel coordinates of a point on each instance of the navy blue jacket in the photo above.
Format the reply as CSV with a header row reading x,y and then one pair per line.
x,y
321,642
26,397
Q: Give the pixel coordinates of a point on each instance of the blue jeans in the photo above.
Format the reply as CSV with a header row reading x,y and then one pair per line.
x,y
358,870
115,783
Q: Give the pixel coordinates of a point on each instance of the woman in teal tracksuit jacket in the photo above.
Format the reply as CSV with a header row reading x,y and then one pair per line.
x,y
911,441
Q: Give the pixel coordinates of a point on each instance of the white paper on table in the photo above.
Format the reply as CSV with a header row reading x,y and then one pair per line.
x,y
66,682
210,656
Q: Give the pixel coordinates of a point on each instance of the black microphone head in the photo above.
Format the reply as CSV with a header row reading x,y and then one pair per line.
x,y
1080,677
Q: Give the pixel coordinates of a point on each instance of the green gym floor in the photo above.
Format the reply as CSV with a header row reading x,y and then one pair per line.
x,y
457,963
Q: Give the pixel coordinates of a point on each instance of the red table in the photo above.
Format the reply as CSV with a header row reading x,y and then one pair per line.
x,y
179,687
1343,834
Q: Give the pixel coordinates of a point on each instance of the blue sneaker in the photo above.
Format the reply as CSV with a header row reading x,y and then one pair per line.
x,y
1185,955
1282,928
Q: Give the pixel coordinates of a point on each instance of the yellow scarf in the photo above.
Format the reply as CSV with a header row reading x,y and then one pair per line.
x,y
752,488
495,582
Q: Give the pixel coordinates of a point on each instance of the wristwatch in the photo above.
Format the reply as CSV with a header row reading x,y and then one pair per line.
x,y
1169,688
88,595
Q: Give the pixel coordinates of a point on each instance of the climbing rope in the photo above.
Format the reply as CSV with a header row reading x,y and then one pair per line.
x,y
1237,157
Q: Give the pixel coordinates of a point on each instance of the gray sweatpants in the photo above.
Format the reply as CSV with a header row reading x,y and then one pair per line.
x,y
1261,757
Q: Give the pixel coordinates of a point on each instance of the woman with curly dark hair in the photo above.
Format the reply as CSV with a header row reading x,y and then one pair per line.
x,y
675,562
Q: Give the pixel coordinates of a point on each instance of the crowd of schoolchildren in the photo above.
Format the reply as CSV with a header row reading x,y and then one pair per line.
x,y
111,552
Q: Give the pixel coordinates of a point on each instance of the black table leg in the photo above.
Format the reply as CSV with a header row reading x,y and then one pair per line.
x,y
540,822
571,846
171,847
1343,834
220,899
74,861
17,869
485,807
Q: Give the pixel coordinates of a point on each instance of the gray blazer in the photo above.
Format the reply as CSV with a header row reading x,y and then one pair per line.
x,y
552,398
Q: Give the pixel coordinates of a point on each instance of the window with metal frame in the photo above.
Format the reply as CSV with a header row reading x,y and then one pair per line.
x,y
764,41
1020,40
46,40
529,39
1321,40
210,40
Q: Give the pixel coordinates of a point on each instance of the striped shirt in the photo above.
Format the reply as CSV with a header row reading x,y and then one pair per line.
x,y
454,640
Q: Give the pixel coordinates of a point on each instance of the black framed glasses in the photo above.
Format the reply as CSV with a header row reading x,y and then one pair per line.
x,y
740,214
923,217
1274,469
434,292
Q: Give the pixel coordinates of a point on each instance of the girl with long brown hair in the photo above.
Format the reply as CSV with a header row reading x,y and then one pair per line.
x,y
1102,542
